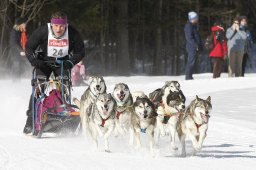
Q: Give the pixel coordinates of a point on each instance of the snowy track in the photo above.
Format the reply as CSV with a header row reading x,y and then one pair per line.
x,y
230,143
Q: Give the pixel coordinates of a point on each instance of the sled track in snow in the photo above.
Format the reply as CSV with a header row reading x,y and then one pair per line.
x,y
5,158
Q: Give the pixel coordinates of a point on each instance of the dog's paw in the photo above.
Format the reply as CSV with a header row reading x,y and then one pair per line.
x,y
198,147
163,134
107,150
174,147
183,155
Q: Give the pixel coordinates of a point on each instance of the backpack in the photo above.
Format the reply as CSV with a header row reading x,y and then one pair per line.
x,y
51,104
220,36
209,42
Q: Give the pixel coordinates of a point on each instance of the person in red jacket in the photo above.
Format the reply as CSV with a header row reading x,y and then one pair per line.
x,y
219,50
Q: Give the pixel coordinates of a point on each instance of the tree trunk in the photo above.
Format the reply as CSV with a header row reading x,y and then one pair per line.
x,y
158,58
123,60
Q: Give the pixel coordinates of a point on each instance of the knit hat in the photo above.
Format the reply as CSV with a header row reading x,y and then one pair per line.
x,y
192,16
20,21
243,17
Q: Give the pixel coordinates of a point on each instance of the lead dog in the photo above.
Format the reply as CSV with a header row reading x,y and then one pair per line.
x,y
194,123
97,86
123,98
168,114
143,121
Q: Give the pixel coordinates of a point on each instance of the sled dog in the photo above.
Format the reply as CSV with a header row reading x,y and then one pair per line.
x,y
97,86
102,119
123,98
194,123
143,121
169,87
168,113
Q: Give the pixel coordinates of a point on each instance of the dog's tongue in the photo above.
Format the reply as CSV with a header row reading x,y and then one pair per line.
x,y
105,112
205,118
121,96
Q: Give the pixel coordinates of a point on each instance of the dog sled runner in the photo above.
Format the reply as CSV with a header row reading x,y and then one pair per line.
x,y
52,108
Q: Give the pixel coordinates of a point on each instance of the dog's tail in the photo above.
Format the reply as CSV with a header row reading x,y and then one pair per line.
x,y
76,101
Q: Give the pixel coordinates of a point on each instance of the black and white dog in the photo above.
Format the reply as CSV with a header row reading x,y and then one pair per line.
x,y
143,121
168,115
169,87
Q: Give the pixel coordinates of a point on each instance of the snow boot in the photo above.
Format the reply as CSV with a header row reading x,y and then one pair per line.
x,y
28,127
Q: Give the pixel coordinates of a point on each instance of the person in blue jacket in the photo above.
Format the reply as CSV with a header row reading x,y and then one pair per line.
x,y
193,43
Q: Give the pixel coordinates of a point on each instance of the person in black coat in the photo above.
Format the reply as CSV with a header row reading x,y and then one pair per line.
x,y
17,42
58,43
193,43
248,43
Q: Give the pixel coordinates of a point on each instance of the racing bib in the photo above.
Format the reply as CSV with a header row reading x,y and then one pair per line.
x,y
57,47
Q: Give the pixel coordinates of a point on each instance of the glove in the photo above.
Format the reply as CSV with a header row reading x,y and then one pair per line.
x,y
38,63
68,65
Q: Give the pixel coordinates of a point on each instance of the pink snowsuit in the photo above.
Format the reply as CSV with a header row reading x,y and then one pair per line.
x,y
78,74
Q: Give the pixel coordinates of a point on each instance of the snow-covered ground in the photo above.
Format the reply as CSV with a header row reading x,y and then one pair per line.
x,y
230,144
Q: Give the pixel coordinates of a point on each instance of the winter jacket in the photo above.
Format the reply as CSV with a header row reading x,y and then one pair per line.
x,y
219,47
78,73
15,45
39,39
249,39
236,40
193,39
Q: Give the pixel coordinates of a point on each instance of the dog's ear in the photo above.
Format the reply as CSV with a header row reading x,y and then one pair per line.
x,y
197,98
90,78
209,99
115,86
126,86
101,78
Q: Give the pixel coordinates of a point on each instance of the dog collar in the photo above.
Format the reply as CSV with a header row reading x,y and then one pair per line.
x,y
143,130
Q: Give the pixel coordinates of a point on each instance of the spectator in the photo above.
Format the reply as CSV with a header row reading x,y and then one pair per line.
x,y
236,44
248,43
219,50
17,43
78,74
193,43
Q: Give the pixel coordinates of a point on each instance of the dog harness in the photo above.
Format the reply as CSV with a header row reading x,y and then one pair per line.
x,y
197,125
118,113
143,130
103,121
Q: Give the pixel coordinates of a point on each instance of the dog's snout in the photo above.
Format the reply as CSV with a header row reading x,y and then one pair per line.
x,y
145,112
145,116
97,86
121,92
105,106
207,112
183,106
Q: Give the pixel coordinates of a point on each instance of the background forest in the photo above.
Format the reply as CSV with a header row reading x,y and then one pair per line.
x,y
128,37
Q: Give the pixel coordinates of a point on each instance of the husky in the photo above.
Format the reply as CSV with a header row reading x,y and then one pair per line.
x,y
169,87
123,98
102,119
143,121
194,123
97,86
168,114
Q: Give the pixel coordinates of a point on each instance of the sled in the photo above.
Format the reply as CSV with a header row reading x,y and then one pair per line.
x,y
52,108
